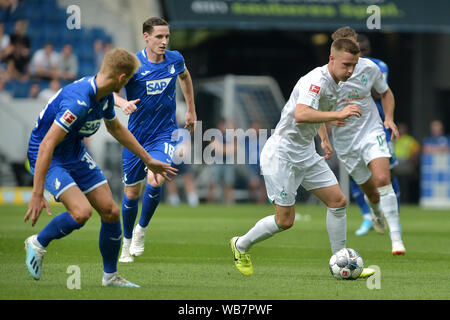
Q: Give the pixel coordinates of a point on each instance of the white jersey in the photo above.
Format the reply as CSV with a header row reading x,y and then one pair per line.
x,y
294,141
357,90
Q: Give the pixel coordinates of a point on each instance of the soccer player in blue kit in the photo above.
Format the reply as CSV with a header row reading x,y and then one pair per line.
x,y
60,164
151,104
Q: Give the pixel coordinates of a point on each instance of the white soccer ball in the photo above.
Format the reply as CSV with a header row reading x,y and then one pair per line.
x,y
346,264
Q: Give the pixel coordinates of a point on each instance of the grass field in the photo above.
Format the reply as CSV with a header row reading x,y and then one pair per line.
x,y
187,258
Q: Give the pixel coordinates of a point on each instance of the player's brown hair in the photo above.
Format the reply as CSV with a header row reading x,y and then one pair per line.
x,y
148,24
345,45
118,61
343,33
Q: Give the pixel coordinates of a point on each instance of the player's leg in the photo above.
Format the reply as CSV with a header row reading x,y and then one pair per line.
x,y
65,188
130,206
134,174
110,234
336,203
282,184
189,187
388,201
262,230
358,196
151,196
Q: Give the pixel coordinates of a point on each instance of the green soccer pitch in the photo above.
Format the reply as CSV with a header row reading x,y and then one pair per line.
x,y
187,257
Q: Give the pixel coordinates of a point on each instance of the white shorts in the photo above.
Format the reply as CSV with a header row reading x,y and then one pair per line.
x,y
372,147
283,177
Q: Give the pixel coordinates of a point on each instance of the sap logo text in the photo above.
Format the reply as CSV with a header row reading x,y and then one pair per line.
x,y
157,86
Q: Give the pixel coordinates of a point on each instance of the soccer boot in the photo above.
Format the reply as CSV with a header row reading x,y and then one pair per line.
x,y
378,222
365,227
241,259
398,249
34,257
118,281
367,272
137,242
125,255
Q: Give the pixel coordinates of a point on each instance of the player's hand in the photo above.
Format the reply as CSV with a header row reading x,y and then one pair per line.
x,y
350,110
389,124
326,146
162,168
130,106
191,121
338,123
35,206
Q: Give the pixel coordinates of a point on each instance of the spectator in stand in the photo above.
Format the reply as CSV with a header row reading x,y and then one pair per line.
x,y
34,91
407,151
438,141
16,55
99,51
223,174
49,92
68,64
19,39
4,41
44,64
17,64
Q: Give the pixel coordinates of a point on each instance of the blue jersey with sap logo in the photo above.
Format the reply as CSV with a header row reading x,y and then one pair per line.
x,y
76,110
155,85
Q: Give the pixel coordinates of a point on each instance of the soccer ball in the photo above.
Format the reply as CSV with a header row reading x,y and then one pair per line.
x,y
346,264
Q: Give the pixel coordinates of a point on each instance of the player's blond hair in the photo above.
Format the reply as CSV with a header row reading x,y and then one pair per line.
x,y
119,61
345,45
344,33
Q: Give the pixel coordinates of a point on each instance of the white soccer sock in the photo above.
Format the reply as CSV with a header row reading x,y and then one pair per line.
x,y
140,229
389,205
263,229
374,206
126,242
337,228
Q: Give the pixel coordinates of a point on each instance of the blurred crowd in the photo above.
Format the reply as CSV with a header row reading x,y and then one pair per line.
x,y
38,57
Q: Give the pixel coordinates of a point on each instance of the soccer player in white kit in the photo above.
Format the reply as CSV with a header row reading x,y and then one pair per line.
x,y
361,143
289,158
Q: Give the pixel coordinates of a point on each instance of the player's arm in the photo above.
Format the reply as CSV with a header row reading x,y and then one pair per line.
x,y
126,106
45,154
307,114
325,144
188,92
126,138
388,104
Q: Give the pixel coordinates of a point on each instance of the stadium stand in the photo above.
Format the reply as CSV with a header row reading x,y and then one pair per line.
x,y
47,24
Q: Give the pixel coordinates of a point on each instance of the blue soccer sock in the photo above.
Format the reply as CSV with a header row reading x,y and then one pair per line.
x,y
60,226
109,244
129,213
150,201
358,196
396,186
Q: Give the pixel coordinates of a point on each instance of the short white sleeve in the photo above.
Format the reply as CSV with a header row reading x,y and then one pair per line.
x,y
380,85
310,91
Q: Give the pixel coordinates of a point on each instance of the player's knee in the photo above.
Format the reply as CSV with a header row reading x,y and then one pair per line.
x,y
81,214
285,223
110,213
338,201
132,193
382,180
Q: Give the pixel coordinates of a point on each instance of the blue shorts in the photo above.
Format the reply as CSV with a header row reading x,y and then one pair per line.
x,y
135,171
85,174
